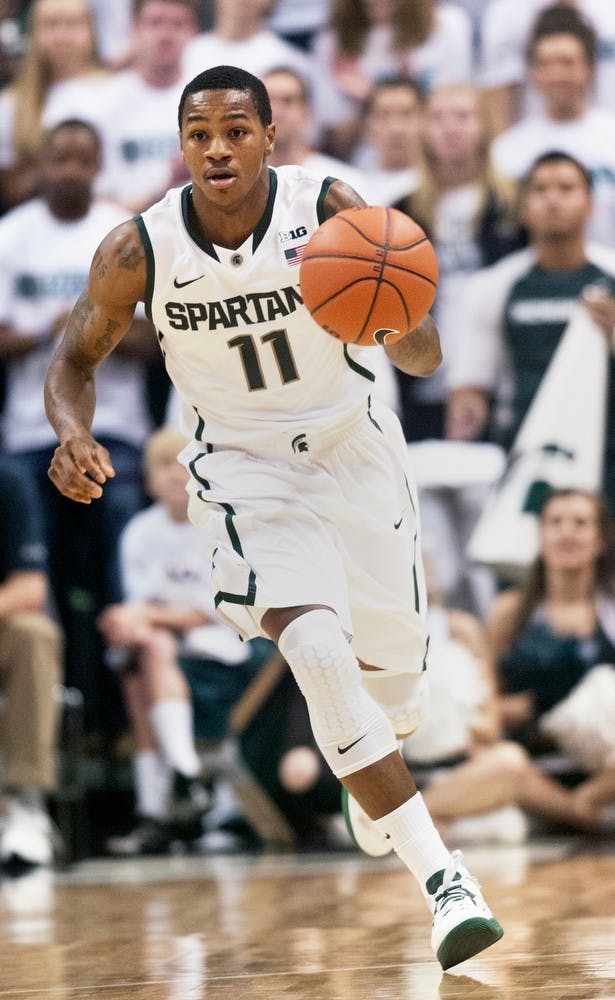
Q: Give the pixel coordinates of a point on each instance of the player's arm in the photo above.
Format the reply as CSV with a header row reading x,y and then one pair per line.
x,y
418,353
99,320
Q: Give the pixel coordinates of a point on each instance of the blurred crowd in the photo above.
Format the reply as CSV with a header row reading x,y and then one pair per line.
x,y
492,124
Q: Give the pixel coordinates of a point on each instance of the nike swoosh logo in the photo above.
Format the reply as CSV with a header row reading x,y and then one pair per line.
x,y
351,745
397,524
182,284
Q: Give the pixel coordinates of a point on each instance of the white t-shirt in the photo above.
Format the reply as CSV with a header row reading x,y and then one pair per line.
x,y
168,562
113,19
590,139
385,187
507,26
75,98
446,57
138,125
44,264
257,54
296,16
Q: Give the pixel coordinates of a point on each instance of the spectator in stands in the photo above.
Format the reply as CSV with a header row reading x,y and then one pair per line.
x,y
389,150
469,211
137,117
549,634
561,59
506,29
241,37
60,75
30,671
167,613
367,39
290,97
501,314
45,245
478,784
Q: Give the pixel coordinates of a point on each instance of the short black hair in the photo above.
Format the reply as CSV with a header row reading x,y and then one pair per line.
x,y
558,156
560,19
306,91
394,81
229,78
76,123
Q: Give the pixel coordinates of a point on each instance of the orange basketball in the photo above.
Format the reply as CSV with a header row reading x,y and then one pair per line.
x,y
369,275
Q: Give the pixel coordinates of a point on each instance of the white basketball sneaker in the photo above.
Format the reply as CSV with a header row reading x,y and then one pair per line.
x,y
27,834
462,924
363,830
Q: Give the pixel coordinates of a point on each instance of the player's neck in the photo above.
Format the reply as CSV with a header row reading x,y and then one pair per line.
x,y
230,227
565,255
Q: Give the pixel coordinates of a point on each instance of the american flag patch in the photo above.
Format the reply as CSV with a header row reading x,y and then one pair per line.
x,y
294,256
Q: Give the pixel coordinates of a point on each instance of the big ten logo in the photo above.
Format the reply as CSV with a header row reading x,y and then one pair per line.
x,y
293,234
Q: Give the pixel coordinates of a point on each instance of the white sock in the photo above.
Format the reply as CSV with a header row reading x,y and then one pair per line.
x,y
415,839
151,784
171,720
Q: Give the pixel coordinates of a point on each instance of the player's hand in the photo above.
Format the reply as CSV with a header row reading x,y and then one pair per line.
x,y
601,307
466,414
79,469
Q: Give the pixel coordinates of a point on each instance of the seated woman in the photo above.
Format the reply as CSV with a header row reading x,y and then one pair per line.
x,y
550,637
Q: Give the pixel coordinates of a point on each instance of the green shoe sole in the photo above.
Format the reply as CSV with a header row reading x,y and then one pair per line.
x,y
467,939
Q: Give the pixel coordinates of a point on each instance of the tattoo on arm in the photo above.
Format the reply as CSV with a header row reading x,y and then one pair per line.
x,y
99,265
130,257
104,343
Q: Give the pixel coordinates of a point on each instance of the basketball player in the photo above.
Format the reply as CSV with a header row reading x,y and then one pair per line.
x,y
297,479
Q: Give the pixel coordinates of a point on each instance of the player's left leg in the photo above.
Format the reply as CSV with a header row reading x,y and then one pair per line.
x,y
401,697
462,923
358,742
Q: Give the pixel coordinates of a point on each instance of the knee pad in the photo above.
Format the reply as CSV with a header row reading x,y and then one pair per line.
x,y
402,697
349,727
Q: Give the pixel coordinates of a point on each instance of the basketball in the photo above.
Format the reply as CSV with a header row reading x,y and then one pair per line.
x,y
369,275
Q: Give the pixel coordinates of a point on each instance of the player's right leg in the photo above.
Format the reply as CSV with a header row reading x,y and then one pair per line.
x,y
358,742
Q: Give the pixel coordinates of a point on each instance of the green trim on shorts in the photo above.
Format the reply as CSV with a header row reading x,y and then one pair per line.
x,y
195,475
369,414
222,595
356,367
249,598
417,606
426,653
200,427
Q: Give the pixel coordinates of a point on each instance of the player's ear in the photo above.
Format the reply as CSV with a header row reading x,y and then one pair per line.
x,y
269,139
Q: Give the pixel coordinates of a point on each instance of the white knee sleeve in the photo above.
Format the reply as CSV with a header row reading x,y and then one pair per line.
x,y
402,697
349,727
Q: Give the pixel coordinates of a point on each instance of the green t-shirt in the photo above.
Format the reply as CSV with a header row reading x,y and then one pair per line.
x,y
536,313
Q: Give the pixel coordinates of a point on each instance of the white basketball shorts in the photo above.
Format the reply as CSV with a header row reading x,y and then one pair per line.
x,y
333,522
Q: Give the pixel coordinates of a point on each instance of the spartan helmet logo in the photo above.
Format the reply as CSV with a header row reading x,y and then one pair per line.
x,y
380,336
299,443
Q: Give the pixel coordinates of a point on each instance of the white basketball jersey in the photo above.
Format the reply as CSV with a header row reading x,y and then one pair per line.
x,y
239,345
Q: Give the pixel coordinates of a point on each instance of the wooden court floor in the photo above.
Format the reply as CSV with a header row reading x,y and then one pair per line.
x,y
334,927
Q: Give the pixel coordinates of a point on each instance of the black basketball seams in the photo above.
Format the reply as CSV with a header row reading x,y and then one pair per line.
x,y
370,260
374,243
338,291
